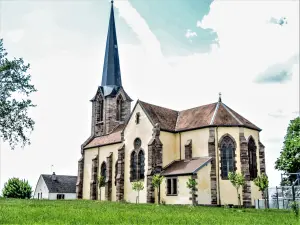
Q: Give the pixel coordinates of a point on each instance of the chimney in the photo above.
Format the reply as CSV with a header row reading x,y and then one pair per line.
x,y
53,177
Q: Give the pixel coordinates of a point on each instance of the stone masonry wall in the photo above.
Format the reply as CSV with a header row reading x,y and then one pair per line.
x,y
213,175
79,184
108,182
93,184
120,174
244,158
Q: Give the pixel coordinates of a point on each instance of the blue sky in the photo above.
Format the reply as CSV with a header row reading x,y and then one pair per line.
x,y
174,53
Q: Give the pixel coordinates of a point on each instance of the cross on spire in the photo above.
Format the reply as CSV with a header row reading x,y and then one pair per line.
x,y
220,97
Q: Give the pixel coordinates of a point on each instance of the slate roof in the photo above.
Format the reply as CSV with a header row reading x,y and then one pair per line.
x,y
185,167
211,115
62,184
111,138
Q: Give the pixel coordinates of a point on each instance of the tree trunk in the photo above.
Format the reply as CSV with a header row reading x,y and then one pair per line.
x,y
239,197
158,194
100,193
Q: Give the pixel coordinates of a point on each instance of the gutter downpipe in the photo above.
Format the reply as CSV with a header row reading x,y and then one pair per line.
x,y
218,164
179,145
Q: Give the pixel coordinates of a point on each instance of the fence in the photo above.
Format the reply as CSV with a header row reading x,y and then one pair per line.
x,y
279,197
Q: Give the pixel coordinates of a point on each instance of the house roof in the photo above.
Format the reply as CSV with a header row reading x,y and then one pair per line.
x,y
111,138
62,184
185,167
211,115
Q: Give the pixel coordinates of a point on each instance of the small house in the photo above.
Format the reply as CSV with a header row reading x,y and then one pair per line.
x,y
54,187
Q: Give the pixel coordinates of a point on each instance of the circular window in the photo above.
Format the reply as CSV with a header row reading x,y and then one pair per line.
x,y
137,143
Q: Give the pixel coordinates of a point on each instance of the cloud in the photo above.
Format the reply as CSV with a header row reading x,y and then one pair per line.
x,y
279,72
190,34
280,21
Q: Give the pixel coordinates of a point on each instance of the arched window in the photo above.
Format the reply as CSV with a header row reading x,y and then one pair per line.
x,y
227,148
119,108
141,164
133,170
252,158
99,110
103,170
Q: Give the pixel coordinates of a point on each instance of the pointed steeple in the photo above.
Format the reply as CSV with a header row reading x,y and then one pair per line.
x,y
111,75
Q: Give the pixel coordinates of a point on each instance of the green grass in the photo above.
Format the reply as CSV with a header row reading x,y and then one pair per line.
x,y
94,212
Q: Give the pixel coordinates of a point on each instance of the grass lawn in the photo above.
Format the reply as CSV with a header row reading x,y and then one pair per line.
x,y
95,212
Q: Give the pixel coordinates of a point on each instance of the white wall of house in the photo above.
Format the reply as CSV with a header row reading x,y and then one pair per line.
x,y
68,196
41,189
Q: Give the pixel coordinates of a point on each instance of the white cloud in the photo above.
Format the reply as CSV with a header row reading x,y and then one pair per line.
x,y
198,24
190,34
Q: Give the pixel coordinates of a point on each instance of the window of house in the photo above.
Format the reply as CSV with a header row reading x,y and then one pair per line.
x,y
252,158
172,186
103,170
141,165
60,196
133,163
227,157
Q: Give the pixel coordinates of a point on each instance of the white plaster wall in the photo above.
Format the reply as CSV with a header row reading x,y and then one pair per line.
x,y
68,196
41,188
89,154
143,130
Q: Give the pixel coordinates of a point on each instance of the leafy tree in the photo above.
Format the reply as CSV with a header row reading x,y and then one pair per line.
x,y
138,186
156,181
192,185
101,183
16,188
262,182
289,159
15,89
237,181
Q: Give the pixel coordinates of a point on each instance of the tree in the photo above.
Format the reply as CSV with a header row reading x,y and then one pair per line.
x,y
156,181
101,183
192,185
138,186
15,89
16,188
237,181
289,159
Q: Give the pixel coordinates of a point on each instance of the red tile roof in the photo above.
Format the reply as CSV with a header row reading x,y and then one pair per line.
x,y
111,138
211,115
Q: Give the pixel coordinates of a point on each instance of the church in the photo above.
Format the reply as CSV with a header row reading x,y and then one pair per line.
x,y
205,143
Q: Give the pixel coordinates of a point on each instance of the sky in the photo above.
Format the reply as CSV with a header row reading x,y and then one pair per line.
x,y
174,53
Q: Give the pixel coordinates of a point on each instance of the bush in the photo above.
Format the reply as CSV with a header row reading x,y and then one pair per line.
x,y
16,188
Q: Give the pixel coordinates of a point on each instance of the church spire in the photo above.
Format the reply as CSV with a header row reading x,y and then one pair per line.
x,y
111,75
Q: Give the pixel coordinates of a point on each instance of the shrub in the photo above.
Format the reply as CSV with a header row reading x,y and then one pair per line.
x,y
16,188
295,208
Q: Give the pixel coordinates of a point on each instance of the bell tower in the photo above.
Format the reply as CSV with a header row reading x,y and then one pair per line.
x,y
111,104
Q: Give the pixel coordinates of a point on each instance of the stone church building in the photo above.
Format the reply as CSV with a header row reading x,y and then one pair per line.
x,y
205,142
